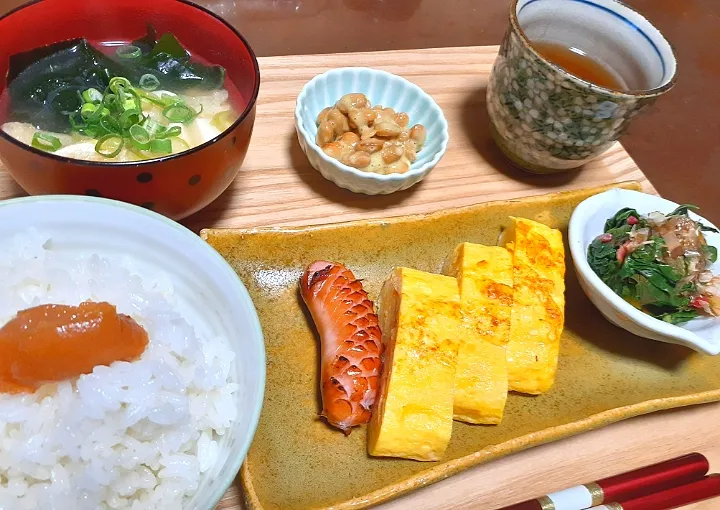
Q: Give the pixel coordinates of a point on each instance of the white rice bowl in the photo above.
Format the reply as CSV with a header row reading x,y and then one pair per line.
x,y
138,435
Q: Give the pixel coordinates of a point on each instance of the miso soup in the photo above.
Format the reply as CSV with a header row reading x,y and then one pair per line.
x,y
106,102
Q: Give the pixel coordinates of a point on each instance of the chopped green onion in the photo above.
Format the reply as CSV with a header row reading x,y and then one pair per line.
x,y
170,99
75,123
109,99
110,124
118,83
142,155
161,146
170,132
154,99
164,99
136,98
128,51
120,93
92,96
152,127
139,137
223,120
139,133
116,120
95,116
130,117
129,104
173,131
179,145
149,82
97,132
87,110
178,113
46,142
195,114
109,145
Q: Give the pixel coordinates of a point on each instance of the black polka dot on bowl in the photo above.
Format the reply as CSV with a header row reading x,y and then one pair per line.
x,y
234,139
93,193
148,205
145,177
194,180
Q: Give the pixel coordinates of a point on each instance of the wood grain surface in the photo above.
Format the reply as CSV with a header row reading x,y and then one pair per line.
x,y
614,449
278,187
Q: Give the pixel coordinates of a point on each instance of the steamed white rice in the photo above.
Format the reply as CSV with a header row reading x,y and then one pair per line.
x,y
133,435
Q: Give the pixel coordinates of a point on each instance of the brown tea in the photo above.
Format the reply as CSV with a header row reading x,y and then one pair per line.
x,y
578,63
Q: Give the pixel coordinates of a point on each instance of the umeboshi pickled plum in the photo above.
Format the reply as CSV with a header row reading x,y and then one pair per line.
x,y
52,343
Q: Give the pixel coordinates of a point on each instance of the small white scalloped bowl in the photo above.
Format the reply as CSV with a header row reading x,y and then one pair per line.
x,y
586,223
383,88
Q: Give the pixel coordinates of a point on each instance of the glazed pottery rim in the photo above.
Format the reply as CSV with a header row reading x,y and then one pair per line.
x,y
233,465
578,252
134,164
629,94
394,177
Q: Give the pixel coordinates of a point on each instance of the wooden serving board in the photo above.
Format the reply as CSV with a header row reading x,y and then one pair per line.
x,y
277,186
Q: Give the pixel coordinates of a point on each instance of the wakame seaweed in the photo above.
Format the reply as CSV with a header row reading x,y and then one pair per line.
x,y
48,82
45,84
167,60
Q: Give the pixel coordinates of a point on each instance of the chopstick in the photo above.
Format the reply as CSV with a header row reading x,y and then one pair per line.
x,y
626,486
706,488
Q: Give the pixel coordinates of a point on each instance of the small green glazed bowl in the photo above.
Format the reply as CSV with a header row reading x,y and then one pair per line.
x,y
547,120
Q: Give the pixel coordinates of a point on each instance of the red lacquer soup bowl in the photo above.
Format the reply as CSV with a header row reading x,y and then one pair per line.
x,y
175,185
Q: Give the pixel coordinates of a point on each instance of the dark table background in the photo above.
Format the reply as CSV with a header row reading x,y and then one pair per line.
x,y
675,143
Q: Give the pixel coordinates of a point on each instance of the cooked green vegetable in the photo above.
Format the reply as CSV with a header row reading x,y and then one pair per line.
x,y
659,263
682,210
622,219
710,253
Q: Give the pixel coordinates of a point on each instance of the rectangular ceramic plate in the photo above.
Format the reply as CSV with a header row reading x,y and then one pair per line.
x,y
297,462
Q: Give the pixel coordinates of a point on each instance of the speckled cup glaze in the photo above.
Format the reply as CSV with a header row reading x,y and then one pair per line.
x,y
547,120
